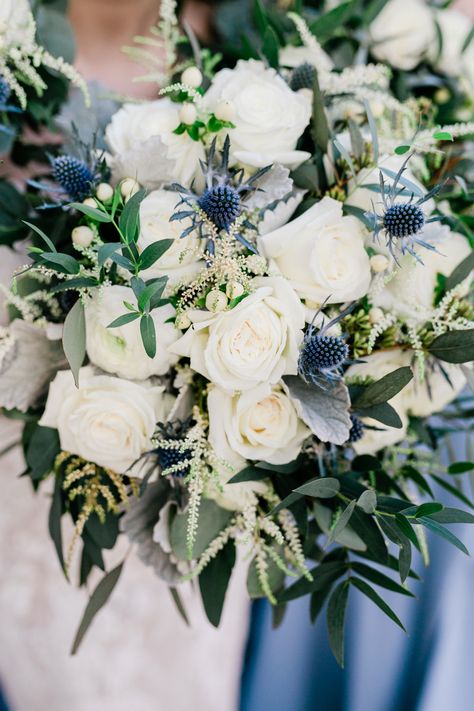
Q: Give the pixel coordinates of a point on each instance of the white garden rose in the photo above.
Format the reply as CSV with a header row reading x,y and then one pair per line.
x,y
259,424
120,350
450,58
322,254
255,342
106,420
410,293
402,33
17,27
269,116
182,261
144,147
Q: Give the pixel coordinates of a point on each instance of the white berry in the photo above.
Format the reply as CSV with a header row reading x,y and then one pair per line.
x,y
104,192
234,289
128,187
90,202
375,314
187,114
379,263
216,301
182,321
82,236
192,77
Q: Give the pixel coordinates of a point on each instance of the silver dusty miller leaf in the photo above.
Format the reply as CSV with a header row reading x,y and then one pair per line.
x,y
138,524
326,412
272,186
28,361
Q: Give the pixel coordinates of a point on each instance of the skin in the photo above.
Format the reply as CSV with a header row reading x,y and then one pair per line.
x,y
103,27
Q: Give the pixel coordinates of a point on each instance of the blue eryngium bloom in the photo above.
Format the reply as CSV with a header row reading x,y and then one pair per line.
x,y
322,357
357,429
5,91
303,76
223,198
73,175
402,223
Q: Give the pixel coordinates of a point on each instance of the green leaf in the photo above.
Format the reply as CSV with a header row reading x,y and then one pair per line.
x,y
78,283
44,237
411,473
407,529
323,575
63,263
276,579
153,252
373,131
155,289
129,222
214,580
443,136
367,501
445,533
454,346
319,122
400,150
321,488
148,334
97,600
92,212
54,520
366,528
384,389
123,320
342,522
285,503
378,578
42,450
106,251
260,17
365,463
428,509
179,605
452,515
318,598
461,272
335,616
74,339
453,490
250,473
372,595
324,27
271,47
460,467
384,413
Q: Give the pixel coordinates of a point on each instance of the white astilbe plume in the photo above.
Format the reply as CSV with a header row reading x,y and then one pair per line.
x,y
320,59
20,55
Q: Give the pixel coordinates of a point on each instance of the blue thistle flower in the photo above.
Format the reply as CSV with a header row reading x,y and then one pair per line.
x,y
74,176
5,91
221,203
303,77
357,430
169,457
222,200
402,223
322,357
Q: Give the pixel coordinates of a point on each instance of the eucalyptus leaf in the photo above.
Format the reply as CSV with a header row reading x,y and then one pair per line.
x,y
74,339
335,616
148,334
214,580
212,520
153,252
321,488
92,212
319,121
367,501
372,595
461,272
341,522
384,389
454,346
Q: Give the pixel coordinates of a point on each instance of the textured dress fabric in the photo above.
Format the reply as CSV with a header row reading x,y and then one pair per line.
x,y
138,653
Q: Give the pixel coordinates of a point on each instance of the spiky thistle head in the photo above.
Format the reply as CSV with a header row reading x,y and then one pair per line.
x,y
357,429
73,175
221,203
303,77
403,220
170,452
322,355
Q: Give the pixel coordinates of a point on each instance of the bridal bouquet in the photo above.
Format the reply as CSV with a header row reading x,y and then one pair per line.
x,y
262,297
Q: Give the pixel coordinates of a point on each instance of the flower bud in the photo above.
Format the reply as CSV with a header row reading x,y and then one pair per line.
x,y
187,114
216,301
379,263
82,236
182,321
192,77
104,192
375,314
256,264
128,187
225,111
234,289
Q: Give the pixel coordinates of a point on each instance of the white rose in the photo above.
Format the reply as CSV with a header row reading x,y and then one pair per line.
x,y
182,261
322,253
452,60
255,342
120,350
144,147
269,116
17,27
410,293
402,33
105,420
259,424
